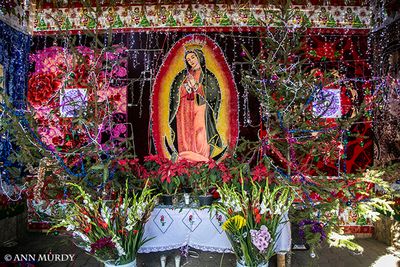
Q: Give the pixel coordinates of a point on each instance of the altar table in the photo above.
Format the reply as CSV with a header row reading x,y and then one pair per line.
x,y
172,228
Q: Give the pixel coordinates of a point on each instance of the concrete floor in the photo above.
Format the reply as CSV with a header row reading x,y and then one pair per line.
x,y
375,254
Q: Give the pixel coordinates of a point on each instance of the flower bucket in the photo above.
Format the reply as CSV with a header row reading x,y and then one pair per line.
x,y
241,263
167,199
111,264
205,200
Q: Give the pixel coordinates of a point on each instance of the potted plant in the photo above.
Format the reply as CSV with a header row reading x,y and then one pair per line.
x,y
203,177
110,230
252,219
168,175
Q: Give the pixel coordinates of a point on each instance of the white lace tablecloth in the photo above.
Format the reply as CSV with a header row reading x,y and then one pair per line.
x,y
175,228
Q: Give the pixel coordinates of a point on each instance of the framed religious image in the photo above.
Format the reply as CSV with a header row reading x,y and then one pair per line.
x,y
194,102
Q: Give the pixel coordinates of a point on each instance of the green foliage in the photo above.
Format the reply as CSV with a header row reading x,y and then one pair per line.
x,y
120,220
296,139
252,209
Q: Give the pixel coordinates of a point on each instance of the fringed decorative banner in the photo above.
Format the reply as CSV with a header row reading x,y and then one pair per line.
x,y
158,17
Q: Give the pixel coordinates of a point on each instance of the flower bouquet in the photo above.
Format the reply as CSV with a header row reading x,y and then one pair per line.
x,y
252,220
110,230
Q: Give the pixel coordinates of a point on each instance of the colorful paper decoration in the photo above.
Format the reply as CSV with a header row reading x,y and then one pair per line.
x,y
197,21
144,22
73,102
171,22
225,21
252,21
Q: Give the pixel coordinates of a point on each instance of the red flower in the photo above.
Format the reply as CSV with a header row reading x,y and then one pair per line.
x,y
135,232
88,228
258,218
102,243
314,196
102,223
41,88
211,164
259,172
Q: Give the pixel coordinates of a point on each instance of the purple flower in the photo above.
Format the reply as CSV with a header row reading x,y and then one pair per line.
x,y
316,227
104,242
260,238
184,251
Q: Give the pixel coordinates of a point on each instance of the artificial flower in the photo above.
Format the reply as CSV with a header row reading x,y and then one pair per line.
x,y
42,88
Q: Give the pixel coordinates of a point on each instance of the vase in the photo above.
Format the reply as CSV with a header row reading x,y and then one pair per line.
x,y
241,263
111,264
167,199
205,200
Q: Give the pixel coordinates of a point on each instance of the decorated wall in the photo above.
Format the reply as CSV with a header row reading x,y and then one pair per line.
x,y
148,71
344,52
14,52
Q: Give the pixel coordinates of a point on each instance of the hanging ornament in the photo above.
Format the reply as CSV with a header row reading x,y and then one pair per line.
x,y
312,254
246,109
306,21
348,203
92,23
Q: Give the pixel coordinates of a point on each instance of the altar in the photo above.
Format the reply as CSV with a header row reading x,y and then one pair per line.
x,y
173,228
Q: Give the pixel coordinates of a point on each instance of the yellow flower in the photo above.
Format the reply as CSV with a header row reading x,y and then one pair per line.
x,y
234,223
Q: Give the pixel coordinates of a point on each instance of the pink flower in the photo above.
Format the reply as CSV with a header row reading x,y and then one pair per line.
x,y
261,238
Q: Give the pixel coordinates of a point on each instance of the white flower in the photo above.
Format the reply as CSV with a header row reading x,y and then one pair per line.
x,y
81,235
120,249
70,227
87,218
140,212
279,209
263,208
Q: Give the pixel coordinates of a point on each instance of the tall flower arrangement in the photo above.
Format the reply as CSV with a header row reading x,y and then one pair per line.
x,y
110,230
252,219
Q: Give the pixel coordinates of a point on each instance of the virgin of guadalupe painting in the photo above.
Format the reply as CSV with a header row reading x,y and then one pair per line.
x,y
194,102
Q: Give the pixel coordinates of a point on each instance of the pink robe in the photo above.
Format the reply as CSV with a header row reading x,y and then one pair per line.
x,y
191,125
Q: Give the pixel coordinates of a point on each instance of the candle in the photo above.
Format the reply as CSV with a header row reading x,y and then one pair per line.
x,y
163,259
177,261
187,198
